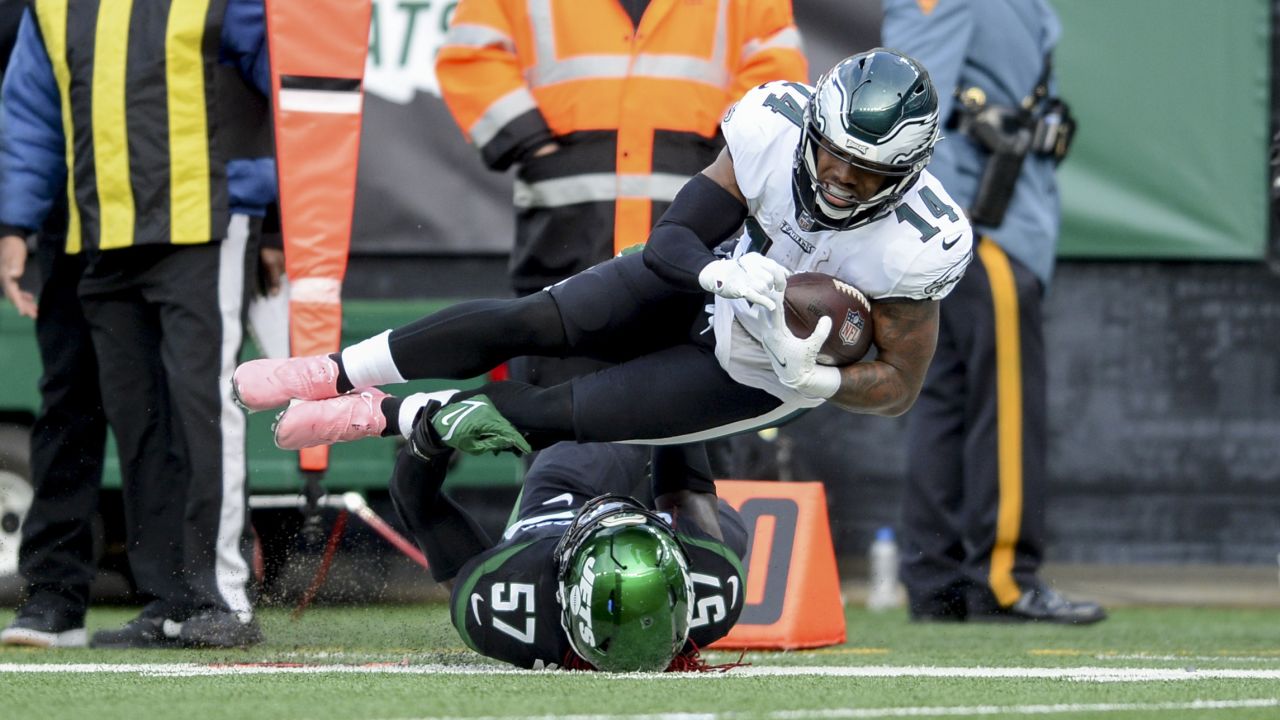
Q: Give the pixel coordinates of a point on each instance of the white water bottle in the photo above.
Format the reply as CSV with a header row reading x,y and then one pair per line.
x,y
882,593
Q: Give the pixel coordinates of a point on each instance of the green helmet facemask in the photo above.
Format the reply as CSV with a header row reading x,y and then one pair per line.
x,y
625,589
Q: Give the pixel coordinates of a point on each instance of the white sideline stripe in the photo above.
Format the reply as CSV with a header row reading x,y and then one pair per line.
x,y
1078,674
1191,658
895,712
231,570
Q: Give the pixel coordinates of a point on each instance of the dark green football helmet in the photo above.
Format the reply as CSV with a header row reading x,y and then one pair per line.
x,y
625,589
876,111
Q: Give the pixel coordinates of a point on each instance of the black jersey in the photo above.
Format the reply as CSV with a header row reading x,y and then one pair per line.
x,y
504,600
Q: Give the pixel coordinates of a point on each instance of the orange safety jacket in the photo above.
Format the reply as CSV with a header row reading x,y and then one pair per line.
x,y
636,111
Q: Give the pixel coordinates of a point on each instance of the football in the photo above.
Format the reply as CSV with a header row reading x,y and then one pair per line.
x,y
810,296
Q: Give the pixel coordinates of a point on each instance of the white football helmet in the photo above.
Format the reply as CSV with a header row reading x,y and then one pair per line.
x,y
877,111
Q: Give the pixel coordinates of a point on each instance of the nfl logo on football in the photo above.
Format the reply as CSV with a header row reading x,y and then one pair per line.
x,y
851,328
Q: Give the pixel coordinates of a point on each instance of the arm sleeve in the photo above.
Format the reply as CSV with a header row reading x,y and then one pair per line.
x,y
33,165
682,467
244,42
445,533
938,39
773,50
483,87
701,216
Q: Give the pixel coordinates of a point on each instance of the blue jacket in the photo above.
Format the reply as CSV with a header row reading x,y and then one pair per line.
x,y
33,162
999,46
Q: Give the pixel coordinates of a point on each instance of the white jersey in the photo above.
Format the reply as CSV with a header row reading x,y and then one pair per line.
x,y
917,252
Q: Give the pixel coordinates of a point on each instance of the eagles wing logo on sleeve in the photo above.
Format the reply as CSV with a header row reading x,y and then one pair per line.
x,y
851,328
949,277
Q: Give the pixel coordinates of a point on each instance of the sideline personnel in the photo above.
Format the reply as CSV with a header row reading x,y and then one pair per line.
x,y
973,513
69,434
606,108
133,99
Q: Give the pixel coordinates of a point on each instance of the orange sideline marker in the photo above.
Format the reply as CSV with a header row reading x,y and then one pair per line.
x,y
318,51
792,594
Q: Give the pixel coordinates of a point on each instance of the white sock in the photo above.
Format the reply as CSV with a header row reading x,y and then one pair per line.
x,y
368,363
412,405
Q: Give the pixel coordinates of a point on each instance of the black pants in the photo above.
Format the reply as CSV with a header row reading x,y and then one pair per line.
x,y
667,382
973,514
549,371
67,443
167,326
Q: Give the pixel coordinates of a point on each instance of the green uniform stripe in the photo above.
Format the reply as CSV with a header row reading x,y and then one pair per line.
x,y
718,548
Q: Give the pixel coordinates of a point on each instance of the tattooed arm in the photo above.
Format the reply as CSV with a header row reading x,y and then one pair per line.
x,y
906,333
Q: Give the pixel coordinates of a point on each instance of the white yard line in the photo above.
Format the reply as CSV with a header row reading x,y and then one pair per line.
x,y
897,712
1078,674
1192,658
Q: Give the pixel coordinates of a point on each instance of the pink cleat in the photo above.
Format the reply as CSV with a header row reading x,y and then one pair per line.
x,y
267,383
325,422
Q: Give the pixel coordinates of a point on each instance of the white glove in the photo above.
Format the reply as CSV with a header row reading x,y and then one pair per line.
x,y
795,360
753,277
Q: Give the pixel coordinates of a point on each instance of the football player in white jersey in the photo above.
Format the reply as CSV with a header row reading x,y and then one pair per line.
x,y
830,178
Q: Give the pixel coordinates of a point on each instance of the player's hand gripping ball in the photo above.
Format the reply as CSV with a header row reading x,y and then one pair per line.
x,y
810,296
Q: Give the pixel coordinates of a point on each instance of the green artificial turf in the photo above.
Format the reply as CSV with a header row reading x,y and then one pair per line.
x,y
416,636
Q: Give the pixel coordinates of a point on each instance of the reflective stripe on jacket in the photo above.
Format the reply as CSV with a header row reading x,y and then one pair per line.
x,y
635,110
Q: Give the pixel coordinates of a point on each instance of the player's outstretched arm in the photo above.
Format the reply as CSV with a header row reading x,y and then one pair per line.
x,y
706,211
906,333
700,508
442,529
683,486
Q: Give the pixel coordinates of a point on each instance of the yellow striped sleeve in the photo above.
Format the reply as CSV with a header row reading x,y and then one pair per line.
x,y
110,128
190,211
52,15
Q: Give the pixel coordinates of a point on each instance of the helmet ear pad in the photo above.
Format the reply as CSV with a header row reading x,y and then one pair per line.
x,y
624,587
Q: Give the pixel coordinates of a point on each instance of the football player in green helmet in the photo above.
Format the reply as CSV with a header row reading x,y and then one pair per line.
x,y
625,590
585,576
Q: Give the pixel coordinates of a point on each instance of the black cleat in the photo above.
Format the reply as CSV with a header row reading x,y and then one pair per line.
x,y
144,631
941,606
219,629
1044,604
45,626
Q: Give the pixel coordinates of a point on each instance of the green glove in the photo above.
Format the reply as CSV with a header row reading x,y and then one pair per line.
x,y
475,426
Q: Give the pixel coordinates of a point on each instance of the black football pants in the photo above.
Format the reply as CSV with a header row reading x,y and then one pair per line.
x,y
668,382
973,510
167,327
67,443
